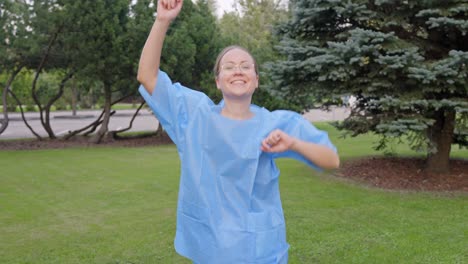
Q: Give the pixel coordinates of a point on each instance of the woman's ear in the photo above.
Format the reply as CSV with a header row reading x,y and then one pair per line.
x,y
217,83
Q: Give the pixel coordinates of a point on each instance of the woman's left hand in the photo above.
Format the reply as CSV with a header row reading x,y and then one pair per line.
x,y
319,154
277,141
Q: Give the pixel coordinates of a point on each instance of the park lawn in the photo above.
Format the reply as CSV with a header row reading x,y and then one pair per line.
x,y
117,205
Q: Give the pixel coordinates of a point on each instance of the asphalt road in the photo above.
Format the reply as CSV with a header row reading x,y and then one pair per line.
x,y
62,122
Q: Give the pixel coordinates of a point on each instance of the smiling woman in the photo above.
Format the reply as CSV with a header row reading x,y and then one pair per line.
x,y
237,78
229,205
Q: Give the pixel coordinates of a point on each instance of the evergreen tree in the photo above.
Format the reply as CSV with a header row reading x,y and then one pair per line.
x,y
101,49
405,61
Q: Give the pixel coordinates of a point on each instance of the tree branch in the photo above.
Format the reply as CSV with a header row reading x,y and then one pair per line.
x,y
5,120
22,115
115,132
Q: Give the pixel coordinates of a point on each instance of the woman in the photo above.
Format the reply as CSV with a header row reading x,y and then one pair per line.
x,y
229,207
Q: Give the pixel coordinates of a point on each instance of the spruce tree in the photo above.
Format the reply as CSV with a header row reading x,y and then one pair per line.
x,y
404,61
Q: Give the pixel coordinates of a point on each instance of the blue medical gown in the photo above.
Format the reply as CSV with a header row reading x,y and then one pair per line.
x,y
229,207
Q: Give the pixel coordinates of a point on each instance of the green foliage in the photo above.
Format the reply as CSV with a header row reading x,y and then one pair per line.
x,y
252,26
22,89
101,41
191,47
17,44
179,56
405,61
99,34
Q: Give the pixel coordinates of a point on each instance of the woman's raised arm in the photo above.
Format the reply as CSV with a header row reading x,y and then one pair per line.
x,y
148,67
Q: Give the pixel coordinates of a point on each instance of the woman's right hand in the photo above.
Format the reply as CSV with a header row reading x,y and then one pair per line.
x,y
168,9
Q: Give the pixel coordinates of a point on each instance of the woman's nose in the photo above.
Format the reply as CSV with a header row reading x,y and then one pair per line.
x,y
237,69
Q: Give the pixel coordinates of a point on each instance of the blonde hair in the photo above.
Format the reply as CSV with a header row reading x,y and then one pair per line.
x,y
226,50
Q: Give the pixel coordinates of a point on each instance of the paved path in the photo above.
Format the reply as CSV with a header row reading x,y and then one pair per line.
x,y
63,121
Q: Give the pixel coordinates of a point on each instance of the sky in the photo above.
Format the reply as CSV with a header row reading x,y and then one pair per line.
x,y
223,5
226,6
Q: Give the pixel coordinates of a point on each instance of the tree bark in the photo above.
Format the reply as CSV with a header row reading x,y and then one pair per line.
x,y
74,99
4,122
440,136
92,127
46,121
115,132
97,138
23,116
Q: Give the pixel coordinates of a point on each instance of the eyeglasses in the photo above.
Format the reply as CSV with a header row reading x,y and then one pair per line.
x,y
243,67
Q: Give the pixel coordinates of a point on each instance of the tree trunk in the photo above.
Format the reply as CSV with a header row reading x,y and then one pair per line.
x,y
97,138
46,121
115,132
440,136
23,116
92,127
74,99
5,120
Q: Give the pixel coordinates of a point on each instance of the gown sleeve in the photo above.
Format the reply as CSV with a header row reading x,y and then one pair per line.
x,y
297,126
173,105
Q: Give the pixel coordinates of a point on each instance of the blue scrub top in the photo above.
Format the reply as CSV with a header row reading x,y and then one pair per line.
x,y
229,206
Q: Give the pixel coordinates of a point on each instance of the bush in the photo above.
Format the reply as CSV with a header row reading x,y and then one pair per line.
x,y
30,108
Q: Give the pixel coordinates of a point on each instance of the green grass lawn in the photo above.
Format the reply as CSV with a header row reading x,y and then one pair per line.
x,y
117,205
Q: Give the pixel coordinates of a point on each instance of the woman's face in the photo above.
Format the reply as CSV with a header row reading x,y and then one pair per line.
x,y
237,78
